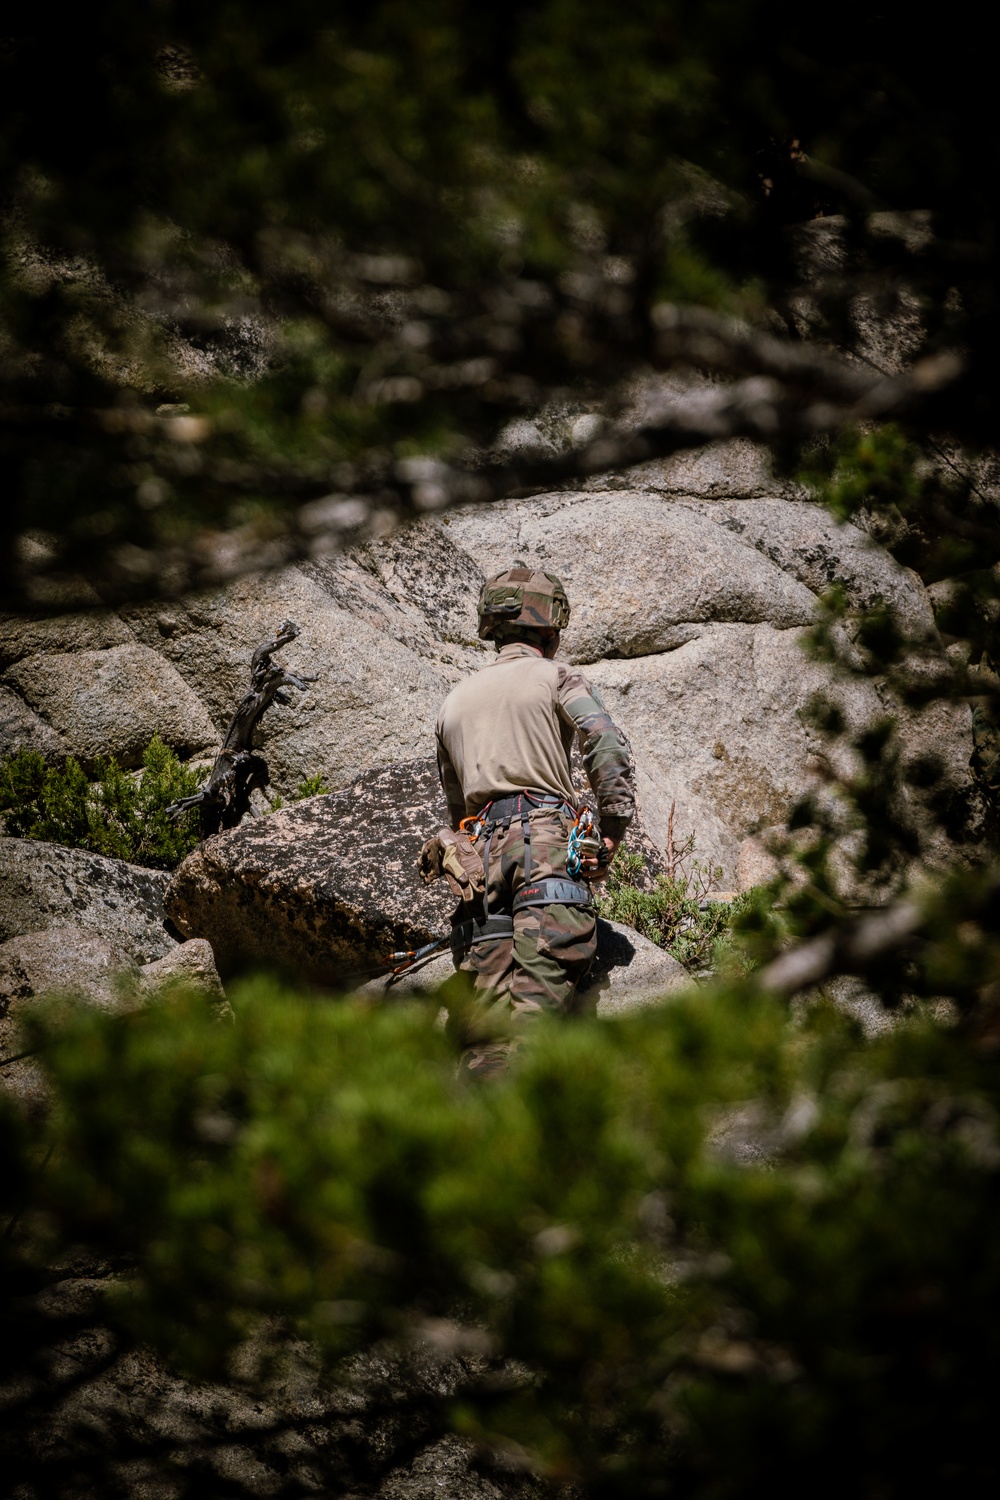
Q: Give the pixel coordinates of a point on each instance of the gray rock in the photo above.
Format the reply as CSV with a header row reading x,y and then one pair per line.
x,y
630,973
433,580
112,702
65,958
643,574
376,696
804,540
718,471
45,635
44,884
21,729
322,889
188,967
717,728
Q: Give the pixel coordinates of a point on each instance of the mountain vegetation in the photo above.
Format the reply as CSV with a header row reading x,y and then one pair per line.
x,y
289,277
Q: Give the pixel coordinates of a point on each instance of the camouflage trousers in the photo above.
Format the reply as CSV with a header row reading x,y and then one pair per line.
x,y
538,969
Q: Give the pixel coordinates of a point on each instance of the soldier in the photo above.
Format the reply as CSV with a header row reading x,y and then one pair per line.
x,y
526,931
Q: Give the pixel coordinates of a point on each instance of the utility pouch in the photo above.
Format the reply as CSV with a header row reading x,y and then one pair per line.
x,y
453,856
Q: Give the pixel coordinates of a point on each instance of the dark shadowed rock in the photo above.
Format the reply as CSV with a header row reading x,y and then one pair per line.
x,y
67,960
190,967
629,973
44,884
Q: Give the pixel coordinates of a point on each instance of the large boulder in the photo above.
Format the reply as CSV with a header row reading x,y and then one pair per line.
x,y
112,702
188,968
39,634
717,471
805,541
65,958
643,574
42,885
22,729
721,733
718,732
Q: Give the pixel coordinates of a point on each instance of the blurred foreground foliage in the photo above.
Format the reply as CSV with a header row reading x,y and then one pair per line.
x,y
274,276
709,1250
117,814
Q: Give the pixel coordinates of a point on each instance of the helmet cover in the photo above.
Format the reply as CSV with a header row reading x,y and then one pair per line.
x,y
525,598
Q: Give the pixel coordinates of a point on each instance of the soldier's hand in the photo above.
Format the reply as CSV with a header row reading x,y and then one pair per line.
x,y
593,868
452,855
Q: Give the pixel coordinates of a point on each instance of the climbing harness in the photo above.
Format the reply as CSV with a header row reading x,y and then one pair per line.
x,y
500,813
497,816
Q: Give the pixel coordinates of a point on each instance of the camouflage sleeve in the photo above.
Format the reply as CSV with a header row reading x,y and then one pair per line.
x,y
606,755
450,784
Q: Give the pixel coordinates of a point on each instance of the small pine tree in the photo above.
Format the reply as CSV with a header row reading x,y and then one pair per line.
x,y
118,815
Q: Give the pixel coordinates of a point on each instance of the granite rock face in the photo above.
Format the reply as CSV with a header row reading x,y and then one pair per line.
x,y
691,579
46,635
63,959
22,729
66,960
42,885
376,694
112,702
643,575
805,541
629,973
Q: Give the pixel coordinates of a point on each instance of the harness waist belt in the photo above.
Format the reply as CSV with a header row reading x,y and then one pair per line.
x,y
499,808
552,890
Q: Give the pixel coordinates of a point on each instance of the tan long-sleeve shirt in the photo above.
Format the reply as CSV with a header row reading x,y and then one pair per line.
x,y
511,727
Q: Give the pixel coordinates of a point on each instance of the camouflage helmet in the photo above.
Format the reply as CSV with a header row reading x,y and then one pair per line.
x,y
523,599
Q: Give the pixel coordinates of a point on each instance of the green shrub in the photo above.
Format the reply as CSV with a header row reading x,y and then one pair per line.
x,y
119,814
676,914
313,786
672,1291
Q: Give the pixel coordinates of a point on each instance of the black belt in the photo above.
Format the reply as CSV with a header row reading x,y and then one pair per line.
x,y
504,809
554,890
